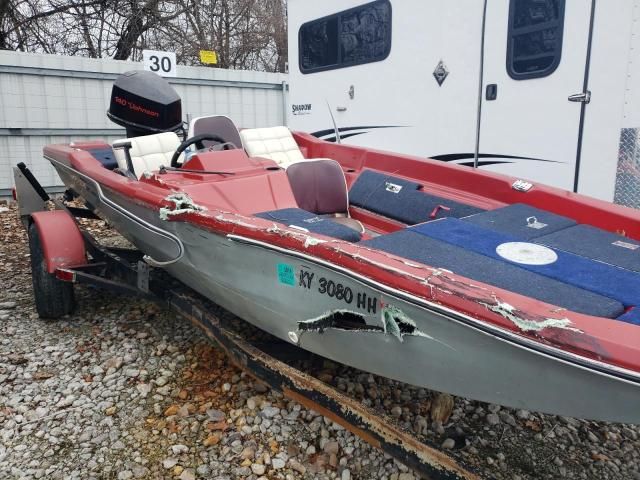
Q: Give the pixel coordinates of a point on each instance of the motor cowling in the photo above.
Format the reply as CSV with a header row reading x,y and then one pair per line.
x,y
144,103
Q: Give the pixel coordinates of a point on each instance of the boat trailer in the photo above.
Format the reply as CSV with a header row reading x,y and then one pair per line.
x,y
124,270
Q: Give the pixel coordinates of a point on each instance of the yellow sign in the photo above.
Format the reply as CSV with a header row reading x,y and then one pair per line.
x,y
208,57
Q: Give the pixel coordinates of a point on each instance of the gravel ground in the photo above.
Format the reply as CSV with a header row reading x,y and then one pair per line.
x,y
123,389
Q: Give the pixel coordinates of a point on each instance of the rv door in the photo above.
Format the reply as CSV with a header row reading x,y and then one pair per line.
x,y
533,91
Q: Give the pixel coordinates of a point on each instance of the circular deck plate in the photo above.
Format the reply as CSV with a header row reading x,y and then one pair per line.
x,y
526,253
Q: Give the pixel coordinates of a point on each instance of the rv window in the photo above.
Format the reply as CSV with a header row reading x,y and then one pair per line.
x,y
352,37
535,38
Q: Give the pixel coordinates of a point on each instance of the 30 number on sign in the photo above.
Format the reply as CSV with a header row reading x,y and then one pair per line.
x,y
162,63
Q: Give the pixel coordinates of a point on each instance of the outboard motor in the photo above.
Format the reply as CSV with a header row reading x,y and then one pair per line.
x,y
144,103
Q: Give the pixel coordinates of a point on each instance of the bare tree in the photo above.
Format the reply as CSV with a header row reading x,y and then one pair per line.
x,y
246,34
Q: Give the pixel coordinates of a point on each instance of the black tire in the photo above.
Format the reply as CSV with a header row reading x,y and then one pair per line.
x,y
54,298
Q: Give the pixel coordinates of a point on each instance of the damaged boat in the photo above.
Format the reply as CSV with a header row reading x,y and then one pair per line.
x,y
436,275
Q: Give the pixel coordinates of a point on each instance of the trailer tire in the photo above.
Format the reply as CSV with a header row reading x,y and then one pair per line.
x,y
54,298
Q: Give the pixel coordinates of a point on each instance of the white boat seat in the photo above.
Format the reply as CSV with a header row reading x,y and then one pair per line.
x,y
274,143
148,153
220,125
319,186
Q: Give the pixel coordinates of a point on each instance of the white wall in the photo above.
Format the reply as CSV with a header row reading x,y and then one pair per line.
x,y
613,56
55,99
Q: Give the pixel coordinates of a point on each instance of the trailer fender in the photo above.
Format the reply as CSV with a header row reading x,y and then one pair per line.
x,y
62,241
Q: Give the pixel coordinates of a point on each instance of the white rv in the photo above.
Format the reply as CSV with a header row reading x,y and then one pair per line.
x,y
538,89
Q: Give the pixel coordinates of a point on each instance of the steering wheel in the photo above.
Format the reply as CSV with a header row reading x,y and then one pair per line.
x,y
197,140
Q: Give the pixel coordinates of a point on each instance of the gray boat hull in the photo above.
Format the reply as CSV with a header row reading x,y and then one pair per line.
x,y
301,299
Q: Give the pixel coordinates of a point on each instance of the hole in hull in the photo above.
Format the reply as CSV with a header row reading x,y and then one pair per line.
x,y
340,320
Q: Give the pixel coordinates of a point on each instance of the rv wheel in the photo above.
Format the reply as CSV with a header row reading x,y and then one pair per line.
x,y
54,298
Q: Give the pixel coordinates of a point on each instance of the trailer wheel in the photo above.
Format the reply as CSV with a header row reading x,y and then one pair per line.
x,y
54,298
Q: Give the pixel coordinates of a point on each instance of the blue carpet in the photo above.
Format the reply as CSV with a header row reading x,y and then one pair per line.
x,y
400,199
421,248
312,222
632,316
105,156
518,220
592,242
597,277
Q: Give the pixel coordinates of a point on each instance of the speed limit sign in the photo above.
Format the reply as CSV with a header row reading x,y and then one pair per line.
x,y
162,63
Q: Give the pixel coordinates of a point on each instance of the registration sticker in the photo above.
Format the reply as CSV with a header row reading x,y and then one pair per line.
x,y
286,274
